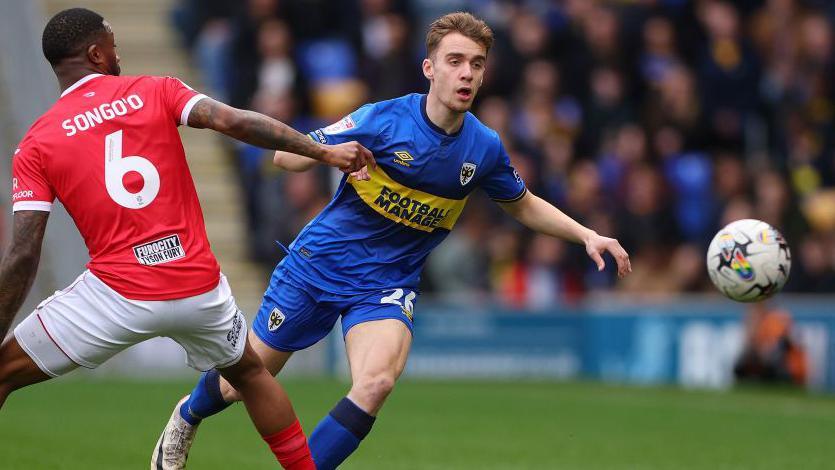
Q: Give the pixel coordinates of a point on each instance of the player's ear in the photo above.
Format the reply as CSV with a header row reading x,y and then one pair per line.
x,y
95,54
428,69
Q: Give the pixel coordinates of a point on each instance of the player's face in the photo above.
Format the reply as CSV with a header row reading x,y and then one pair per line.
x,y
103,54
111,57
456,70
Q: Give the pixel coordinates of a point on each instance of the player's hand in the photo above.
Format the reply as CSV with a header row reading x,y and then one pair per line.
x,y
361,174
596,245
349,157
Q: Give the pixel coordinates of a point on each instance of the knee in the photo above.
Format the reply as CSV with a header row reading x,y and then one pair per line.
x,y
228,392
17,370
374,389
245,372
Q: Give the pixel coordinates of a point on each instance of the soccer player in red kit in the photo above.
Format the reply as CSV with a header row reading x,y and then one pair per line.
x,y
109,150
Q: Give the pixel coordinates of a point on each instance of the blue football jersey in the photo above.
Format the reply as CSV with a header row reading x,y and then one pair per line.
x,y
377,234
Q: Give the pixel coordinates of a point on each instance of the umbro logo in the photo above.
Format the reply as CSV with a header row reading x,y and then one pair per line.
x,y
403,158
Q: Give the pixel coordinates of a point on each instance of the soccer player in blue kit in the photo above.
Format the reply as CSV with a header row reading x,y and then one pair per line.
x,y
360,259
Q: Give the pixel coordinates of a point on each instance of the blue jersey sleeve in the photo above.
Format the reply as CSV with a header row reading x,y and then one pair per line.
x,y
361,125
503,183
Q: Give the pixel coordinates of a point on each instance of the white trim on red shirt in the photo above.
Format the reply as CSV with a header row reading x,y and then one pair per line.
x,y
187,108
80,82
32,206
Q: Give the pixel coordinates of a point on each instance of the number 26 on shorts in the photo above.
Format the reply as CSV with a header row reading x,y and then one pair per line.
x,y
407,303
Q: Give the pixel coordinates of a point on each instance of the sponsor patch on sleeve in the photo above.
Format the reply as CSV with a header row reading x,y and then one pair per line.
x,y
340,126
321,136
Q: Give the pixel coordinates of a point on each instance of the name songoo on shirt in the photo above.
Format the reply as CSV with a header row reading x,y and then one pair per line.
x,y
103,112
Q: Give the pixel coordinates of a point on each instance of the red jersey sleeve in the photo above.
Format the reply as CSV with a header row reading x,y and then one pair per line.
x,y
31,190
179,98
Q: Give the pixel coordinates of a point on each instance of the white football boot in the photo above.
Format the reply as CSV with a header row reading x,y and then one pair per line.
x,y
173,445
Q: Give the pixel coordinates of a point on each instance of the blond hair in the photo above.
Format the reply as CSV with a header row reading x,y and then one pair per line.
x,y
459,22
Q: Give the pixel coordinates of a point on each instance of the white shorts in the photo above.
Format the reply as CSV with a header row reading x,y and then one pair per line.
x,y
88,323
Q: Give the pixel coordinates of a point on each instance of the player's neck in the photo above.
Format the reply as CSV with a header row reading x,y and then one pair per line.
x,y
69,74
443,117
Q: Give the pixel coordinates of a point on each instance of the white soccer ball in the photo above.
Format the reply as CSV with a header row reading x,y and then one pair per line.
x,y
748,260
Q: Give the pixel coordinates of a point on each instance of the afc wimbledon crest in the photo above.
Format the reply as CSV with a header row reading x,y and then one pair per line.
x,y
467,172
275,320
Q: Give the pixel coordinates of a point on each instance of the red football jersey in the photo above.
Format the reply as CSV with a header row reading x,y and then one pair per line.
x,y
109,150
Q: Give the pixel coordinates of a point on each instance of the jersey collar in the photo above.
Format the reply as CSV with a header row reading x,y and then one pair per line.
x,y
432,124
80,82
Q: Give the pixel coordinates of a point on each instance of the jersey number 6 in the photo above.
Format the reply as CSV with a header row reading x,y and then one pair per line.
x,y
116,167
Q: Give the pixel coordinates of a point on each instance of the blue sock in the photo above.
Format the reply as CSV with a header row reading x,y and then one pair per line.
x,y
339,434
205,400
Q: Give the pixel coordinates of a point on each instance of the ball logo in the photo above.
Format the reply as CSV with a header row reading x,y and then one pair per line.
x,y
740,264
276,319
727,245
769,236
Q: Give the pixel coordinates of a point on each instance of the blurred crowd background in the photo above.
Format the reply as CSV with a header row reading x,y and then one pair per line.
x,y
654,121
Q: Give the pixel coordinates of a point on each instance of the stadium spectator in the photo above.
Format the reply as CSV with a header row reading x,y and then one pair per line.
x,y
771,353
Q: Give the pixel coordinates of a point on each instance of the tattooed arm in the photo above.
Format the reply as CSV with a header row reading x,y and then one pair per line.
x,y
20,263
262,131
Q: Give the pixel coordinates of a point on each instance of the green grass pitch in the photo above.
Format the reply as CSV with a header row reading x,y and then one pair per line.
x,y
104,424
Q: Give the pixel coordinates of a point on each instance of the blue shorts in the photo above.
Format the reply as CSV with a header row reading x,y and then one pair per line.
x,y
295,314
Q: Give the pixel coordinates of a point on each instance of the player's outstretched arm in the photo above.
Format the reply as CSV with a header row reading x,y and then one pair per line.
x,y
538,215
293,162
263,131
20,264
296,163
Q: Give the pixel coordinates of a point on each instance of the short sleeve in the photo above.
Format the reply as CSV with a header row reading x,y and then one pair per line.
x,y
179,99
362,125
31,190
503,183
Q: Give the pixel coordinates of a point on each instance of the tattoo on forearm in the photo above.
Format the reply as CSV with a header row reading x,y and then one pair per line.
x,y
252,128
202,114
20,264
265,132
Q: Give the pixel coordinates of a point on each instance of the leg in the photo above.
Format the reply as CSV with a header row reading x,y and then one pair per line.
x,y
32,355
267,404
377,352
270,410
272,334
272,360
17,369
213,393
290,318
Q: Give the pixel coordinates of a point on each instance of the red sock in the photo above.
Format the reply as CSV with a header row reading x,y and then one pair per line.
x,y
290,448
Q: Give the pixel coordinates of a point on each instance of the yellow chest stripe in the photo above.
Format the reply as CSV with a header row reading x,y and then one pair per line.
x,y
407,206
